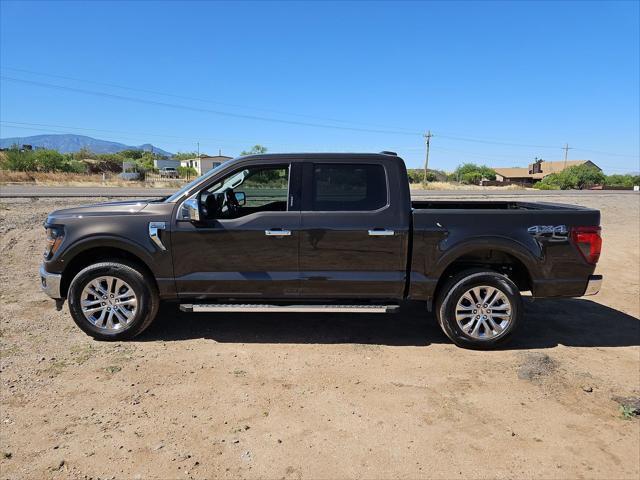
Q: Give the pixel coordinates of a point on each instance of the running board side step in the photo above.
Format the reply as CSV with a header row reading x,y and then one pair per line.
x,y
261,308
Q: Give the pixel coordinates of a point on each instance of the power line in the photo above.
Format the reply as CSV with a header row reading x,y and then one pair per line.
x,y
395,131
142,135
197,99
607,153
198,109
477,140
493,142
189,141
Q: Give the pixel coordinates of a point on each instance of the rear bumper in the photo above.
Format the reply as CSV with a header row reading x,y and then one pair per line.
x,y
50,283
593,285
567,287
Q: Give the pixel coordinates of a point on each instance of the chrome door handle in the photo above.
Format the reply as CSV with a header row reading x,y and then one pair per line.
x,y
277,233
381,233
153,233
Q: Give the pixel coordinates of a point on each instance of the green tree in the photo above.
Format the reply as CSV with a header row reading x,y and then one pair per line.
x,y
50,160
107,162
132,153
472,173
185,155
471,178
255,150
617,180
187,172
145,162
83,154
586,176
578,176
20,161
74,166
41,160
416,175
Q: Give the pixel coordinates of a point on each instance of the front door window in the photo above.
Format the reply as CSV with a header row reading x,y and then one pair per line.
x,y
247,191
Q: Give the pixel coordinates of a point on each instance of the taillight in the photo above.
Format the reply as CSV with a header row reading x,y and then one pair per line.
x,y
588,241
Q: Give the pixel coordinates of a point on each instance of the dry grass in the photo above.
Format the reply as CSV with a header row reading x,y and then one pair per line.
x,y
75,180
59,178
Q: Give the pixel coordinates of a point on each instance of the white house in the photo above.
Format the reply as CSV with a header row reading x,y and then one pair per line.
x,y
204,163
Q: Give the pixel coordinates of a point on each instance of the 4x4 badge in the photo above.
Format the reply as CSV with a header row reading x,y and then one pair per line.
x,y
555,232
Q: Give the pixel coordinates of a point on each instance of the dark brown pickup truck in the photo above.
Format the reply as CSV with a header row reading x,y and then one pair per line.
x,y
317,233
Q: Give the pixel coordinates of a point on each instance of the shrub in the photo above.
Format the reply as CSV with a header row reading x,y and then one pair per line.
x,y
107,162
471,178
585,176
472,173
622,180
546,186
49,160
20,161
41,160
578,176
416,175
187,172
74,166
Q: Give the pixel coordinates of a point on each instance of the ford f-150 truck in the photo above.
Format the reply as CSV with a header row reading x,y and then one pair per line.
x,y
316,233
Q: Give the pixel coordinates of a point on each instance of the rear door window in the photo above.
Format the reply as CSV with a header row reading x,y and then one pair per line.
x,y
349,187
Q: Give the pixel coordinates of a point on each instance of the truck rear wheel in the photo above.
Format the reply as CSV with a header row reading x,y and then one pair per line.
x,y
112,300
479,309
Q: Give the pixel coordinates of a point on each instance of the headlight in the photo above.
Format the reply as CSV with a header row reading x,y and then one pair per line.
x,y
55,235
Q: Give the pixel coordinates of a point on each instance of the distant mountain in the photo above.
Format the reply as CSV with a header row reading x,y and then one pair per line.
x,y
67,143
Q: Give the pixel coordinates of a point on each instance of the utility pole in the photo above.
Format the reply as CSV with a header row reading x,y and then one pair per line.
x,y
427,142
198,149
566,153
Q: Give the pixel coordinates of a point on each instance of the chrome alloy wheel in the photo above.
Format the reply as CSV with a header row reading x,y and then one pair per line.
x,y
109,303
483,312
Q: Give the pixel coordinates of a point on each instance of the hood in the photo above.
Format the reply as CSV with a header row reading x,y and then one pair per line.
x,y
130,207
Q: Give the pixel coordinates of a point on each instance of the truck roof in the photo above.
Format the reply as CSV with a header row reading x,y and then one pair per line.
x,y
318,156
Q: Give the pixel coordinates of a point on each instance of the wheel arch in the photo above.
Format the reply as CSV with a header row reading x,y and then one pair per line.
x,y
499,255
104,251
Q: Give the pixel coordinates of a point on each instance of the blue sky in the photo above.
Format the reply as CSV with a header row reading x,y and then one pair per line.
x,y
496,82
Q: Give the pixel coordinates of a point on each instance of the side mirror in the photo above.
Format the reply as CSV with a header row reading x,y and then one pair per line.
x,y
191,210
241,198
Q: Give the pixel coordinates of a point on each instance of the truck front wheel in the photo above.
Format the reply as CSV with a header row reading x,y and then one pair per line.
x,y
479,309
113,300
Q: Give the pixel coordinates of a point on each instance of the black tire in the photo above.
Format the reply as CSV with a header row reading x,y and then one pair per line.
x,y
143,286
452,292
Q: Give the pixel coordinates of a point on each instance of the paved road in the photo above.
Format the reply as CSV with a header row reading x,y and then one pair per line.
x,y
31,191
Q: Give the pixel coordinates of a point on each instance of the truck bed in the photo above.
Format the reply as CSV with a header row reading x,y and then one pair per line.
x,y
449,229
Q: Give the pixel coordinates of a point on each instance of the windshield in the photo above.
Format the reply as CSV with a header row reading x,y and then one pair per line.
x,y
184,190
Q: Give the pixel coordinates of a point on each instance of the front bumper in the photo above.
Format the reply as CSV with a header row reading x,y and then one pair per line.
x,y
593,285
50,283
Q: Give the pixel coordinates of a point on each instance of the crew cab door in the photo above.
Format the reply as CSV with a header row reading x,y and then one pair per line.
x,y
249,252
354,238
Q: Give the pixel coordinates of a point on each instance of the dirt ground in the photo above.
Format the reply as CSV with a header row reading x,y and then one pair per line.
x,y
319,396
